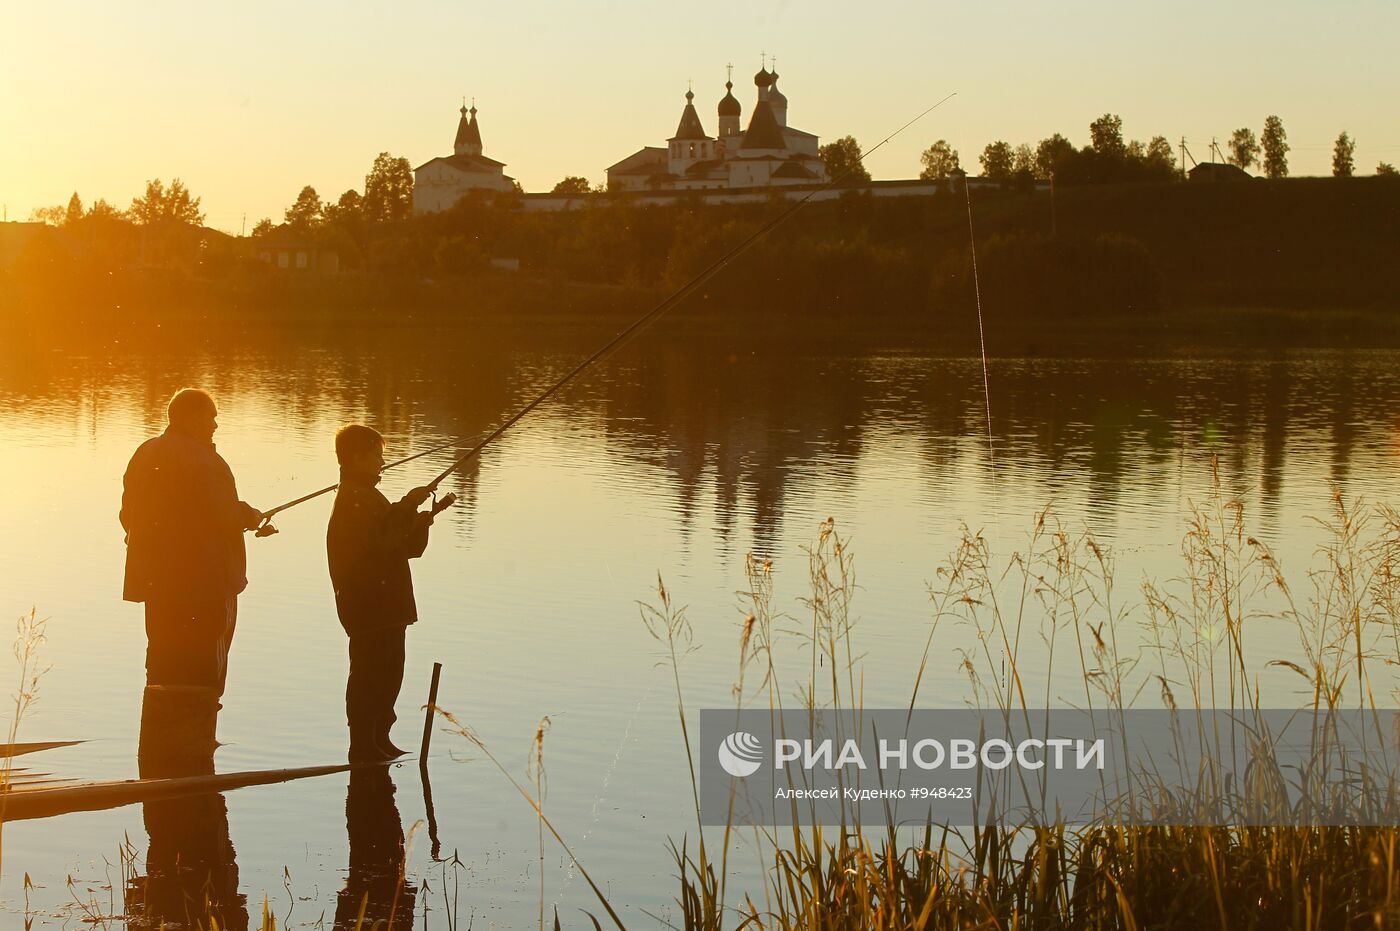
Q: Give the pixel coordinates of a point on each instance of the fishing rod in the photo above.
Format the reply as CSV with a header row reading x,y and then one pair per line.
x,y
641,323
265,528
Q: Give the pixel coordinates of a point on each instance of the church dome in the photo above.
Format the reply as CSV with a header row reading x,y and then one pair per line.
x,y
763,78
729,104
775,96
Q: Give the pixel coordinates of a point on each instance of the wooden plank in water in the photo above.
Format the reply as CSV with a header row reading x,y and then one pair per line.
x,y
23,804
9,750
39,779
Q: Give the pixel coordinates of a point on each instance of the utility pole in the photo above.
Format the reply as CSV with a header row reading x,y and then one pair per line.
x,y
1185,153
244,228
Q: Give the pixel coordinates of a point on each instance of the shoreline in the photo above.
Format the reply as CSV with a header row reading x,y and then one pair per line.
x,y
543,309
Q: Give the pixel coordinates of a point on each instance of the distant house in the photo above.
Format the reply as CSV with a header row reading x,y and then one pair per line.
x,y
1218,171
300,257
644,170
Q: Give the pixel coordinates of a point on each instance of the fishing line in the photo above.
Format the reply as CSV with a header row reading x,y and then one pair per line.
x,y
981,334
986,381
602,790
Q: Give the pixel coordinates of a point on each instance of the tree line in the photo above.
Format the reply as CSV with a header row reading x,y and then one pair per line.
x,y
1108,158
388,187
158,205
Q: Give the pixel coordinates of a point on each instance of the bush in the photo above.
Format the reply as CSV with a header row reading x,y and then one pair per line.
x,y
1037,274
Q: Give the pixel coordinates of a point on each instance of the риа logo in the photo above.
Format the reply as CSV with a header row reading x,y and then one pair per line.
x,y
740,754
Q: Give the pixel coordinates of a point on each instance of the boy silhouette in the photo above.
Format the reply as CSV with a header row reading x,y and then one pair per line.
x,y
368,544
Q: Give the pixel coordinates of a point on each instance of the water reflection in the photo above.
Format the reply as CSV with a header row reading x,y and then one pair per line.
x,y
736,426
679,455
377,894
191,866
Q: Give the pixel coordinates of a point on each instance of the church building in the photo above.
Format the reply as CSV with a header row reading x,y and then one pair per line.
x,y
441,182
767,153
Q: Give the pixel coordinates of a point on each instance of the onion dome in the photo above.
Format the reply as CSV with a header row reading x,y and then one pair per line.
x,y
763,78
474,130
468,132
775,96
729,104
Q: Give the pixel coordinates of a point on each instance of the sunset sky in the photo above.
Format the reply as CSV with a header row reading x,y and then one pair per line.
x,y
249,102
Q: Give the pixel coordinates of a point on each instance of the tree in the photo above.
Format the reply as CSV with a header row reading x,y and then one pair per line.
x,y
1343,157
843,162
74,213
572,185
940,160
1274,142
1158,159
1051,154
263,227
1385,170
1023,160
997,161
305,213
53,216
159,205
147,209
180,207
388,189
101,210
1244,149
1106,135
345,210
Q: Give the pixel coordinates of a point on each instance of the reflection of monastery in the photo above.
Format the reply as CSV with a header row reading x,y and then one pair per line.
x,y
769,152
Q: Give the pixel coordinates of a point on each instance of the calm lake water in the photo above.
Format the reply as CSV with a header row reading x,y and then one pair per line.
x,y
678,457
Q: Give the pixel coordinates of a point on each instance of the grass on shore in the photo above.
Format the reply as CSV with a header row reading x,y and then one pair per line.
x,y
1184,642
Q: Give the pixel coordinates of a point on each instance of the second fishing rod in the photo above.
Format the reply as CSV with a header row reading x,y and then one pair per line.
x,y
698,280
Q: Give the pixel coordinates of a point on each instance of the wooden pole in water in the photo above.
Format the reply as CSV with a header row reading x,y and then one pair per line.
x,y
428,717
428,810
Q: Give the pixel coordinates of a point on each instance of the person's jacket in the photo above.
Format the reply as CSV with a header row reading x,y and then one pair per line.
x,y
183,520
368,545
